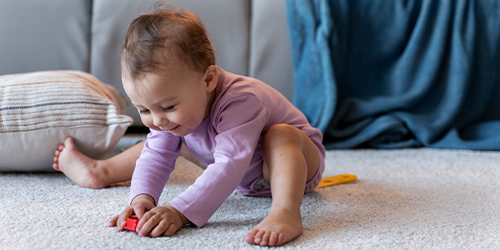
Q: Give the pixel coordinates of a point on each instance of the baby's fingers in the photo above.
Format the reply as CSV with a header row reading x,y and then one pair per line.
x,y
171,230
113,221
146,224
161,229
122,218
153,225
139,211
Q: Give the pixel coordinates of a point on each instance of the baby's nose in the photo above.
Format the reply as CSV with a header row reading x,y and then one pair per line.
x,y
159,121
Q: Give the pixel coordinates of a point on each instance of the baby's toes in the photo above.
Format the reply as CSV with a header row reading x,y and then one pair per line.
x,y
259,236
250,237
265,239
59,150
273,239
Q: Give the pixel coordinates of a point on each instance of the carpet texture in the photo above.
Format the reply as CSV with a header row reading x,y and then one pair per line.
x,y
403,199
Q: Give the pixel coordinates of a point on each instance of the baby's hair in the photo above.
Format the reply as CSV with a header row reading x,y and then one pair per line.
x,y
165,34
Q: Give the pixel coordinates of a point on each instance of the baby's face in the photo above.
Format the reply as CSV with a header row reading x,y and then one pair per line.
x,y
174,100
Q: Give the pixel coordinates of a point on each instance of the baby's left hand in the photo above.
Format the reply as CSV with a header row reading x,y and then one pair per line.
x,y
160,221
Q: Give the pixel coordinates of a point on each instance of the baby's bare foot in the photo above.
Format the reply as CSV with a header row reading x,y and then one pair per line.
x,y
278,228
81,169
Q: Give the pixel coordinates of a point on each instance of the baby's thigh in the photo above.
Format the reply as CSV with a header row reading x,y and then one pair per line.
x,y
285,140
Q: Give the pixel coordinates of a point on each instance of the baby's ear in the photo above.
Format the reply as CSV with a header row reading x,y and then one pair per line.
x,y
211,77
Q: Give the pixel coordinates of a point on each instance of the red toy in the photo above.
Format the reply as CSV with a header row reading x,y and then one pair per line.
x,y
132,223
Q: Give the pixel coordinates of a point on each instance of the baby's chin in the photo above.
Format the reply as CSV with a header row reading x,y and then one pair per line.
x,y
180,131
179,134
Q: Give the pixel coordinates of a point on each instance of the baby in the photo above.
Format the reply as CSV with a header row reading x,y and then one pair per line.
x,y
246,133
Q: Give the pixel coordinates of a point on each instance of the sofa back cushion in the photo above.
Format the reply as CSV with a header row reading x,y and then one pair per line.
x,y
44,35
271,52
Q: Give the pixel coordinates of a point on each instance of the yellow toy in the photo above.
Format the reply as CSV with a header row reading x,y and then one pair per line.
x,y
337,179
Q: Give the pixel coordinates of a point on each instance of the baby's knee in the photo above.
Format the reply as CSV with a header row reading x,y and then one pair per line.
x,y
283,133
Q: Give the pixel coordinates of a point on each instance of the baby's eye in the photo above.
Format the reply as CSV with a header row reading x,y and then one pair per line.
x,y
168,108
144,111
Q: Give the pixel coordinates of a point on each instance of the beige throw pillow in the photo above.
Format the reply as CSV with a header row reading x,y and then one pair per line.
x,y
39,110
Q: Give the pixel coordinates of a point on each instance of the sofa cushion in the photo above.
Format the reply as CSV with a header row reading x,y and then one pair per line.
x,y
39,110
271,52
227,21
44,35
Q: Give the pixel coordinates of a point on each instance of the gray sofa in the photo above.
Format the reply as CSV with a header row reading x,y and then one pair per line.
x,y
250,36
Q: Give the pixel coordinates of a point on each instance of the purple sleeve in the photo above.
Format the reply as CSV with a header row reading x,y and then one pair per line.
x,y
239,127
155,164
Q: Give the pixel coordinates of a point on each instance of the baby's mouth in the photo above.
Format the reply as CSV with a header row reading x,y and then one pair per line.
x,y
174,128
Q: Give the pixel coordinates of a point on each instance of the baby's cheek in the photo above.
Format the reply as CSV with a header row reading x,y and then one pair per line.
x,y
191,122
148,122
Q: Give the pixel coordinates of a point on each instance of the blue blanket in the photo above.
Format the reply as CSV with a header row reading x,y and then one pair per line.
x,y
398,73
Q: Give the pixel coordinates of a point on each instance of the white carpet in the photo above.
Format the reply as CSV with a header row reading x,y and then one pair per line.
x,y
403,199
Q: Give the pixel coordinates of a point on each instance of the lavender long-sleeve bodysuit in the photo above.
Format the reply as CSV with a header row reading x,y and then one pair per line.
x,y
228,141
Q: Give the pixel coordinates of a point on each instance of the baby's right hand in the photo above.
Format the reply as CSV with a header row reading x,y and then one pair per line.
x,y
140,205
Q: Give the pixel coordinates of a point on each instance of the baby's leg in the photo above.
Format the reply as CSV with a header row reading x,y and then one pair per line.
x,y
97,174
291,159
91,173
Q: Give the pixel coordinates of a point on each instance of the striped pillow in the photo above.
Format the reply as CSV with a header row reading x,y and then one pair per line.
x,y
39,110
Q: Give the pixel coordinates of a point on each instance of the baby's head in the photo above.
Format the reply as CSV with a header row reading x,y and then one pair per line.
x,y
167,35
168,69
